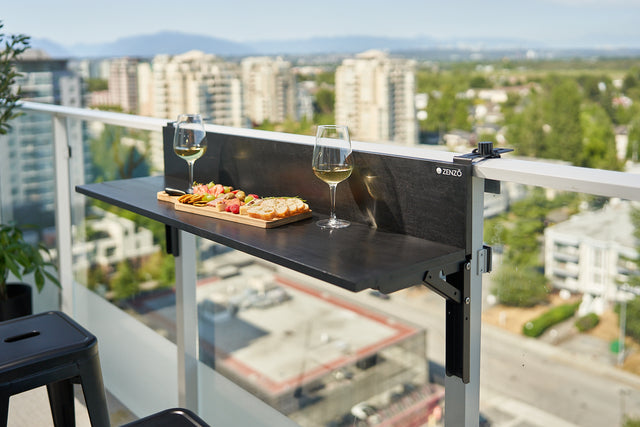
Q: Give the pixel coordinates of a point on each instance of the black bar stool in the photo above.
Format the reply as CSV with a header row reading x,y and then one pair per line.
x,y
176,417
51,349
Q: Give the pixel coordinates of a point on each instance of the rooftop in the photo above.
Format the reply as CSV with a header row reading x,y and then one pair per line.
x,y
610,224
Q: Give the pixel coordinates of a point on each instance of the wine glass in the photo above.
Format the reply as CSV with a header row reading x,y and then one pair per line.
x,y
190,141
332,162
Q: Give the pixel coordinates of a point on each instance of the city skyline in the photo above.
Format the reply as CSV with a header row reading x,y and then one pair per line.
x,y
555,23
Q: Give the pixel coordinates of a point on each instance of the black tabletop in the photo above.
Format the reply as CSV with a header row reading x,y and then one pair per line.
x,y
354,258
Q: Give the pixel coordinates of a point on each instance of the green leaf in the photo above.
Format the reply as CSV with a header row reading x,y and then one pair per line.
x,y
39,279
12,266
53,278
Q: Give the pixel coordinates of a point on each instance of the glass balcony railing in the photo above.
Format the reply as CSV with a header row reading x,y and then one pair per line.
x,y
252,343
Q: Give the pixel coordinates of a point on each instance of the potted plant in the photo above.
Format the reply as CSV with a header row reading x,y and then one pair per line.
x,y
19,257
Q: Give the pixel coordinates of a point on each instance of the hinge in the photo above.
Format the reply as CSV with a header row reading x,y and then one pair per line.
x,y
485,259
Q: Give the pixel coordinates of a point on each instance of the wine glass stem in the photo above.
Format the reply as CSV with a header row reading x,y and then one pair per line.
x,y
332,195
190,177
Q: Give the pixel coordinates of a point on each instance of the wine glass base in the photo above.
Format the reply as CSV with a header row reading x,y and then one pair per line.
x,y
333,223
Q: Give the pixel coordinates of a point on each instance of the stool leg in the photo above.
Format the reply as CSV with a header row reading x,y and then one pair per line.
x,y
94,395
62,403
4,409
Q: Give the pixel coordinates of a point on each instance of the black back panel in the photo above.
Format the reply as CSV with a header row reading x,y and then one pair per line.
x,y
422,198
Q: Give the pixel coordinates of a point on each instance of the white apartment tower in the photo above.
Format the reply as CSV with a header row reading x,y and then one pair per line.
x,y
375,98
145,89
269,89
123,84
195,82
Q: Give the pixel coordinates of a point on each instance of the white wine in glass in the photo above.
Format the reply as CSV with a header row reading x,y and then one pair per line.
x,y
190,141
332,162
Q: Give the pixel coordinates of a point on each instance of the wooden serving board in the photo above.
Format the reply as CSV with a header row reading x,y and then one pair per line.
x,y
163,196
228,216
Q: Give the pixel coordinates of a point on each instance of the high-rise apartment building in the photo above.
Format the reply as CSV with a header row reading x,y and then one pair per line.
x,y
27,163
375,98
269,89
195,82
123,84
145,89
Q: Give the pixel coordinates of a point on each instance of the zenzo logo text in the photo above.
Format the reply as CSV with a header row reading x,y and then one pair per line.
x,y
447,171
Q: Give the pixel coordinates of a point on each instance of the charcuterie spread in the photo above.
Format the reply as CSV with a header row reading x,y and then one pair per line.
x,y
225,202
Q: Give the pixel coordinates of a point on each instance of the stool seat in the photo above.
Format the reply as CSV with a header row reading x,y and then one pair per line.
x,y
51,349
176,417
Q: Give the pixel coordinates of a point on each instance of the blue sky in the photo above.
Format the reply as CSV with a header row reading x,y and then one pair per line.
x,y
560,23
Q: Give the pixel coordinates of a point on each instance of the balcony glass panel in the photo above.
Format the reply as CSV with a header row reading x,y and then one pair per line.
x,y
559,374
27,191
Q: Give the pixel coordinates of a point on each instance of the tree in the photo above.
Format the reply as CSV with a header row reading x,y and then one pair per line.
x,y
631,79
302,127
599,143
447,111
479,82
633,318
526,130
520,280
124,283
633,147
634,280
94,85
114,160
159,267
14,46
561,112
633,306
326,78
325,101
519,286
96,276
631,422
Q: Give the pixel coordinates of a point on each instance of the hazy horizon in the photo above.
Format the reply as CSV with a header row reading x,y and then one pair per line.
x,y
555,23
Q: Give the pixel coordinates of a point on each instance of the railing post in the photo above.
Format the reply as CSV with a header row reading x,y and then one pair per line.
x,y
187,321
462,401
61,155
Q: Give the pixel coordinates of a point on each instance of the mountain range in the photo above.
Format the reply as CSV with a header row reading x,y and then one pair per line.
x,y
172,43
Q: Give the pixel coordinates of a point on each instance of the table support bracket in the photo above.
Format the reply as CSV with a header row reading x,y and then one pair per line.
x,y
453,284
173,242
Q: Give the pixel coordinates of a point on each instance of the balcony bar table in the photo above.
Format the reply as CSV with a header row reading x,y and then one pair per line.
x,y
414,221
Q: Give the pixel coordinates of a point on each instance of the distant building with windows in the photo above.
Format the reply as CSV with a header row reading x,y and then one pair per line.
x,y
123,84
592,253
195,82
305,100
145,89
269,87
27,188
375,97
112,239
